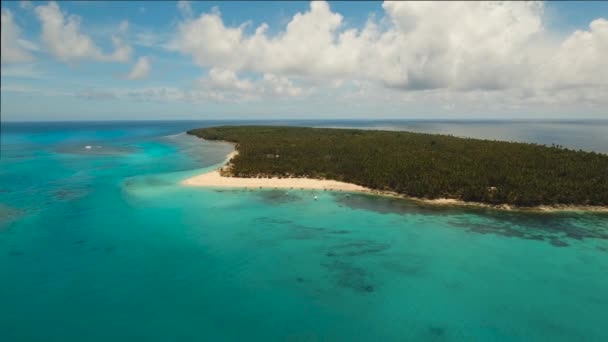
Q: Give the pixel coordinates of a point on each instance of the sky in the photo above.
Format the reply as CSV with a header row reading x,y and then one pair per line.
x,y
130,60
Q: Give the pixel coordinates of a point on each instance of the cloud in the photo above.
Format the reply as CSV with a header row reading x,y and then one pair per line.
x,y
412,56
582,58
17,88
27,89
185,8
64,40
27,70
484,49
147,39
280,86
154,94
96,95
25,4
212,44
413,46
152,38
229,87
140,70
122,51
123,27
28,45
13,49
224,79
218,86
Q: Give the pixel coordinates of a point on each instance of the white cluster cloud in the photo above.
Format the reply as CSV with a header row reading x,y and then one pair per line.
x,y
414,46
582,58
458,54
428,47
306,45
223,79
63,38
13,49
140,70
234,88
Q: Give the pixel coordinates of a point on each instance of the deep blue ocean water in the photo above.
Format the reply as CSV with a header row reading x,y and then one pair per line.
x,y
103,244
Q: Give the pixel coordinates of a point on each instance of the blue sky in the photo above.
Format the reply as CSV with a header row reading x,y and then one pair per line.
x,y
204,60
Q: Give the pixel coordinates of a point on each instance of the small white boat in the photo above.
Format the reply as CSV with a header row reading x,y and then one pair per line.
x,y
316,198
88,147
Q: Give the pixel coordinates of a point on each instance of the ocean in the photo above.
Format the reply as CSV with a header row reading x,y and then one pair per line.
x,y
100,242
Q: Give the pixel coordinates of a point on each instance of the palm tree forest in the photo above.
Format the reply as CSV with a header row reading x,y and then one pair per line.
x,y
421,165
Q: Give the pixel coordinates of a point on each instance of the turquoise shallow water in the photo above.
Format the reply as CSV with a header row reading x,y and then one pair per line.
x,y
103,244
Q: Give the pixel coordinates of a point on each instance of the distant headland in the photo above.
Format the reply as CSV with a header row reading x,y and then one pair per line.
x,y
434,168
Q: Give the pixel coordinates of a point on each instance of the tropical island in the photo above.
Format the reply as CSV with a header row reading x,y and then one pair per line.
x,y
418,165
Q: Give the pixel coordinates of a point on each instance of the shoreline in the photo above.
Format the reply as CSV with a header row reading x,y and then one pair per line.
x,y
214,179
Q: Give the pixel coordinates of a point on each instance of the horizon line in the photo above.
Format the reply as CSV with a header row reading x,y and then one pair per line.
x,y
319,119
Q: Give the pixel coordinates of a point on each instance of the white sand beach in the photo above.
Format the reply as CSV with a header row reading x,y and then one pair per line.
x,y
214,179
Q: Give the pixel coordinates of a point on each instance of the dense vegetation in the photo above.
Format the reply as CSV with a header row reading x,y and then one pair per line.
x,y
421,165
